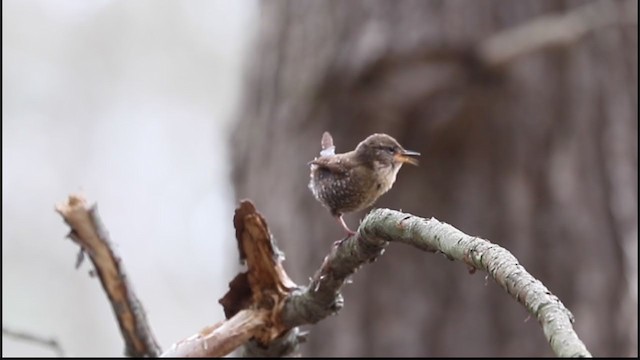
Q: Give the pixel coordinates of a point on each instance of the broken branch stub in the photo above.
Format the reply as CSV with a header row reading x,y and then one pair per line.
x,y
265,285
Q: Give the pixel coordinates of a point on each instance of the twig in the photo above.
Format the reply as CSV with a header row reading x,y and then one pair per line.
x,y
24,336
89,233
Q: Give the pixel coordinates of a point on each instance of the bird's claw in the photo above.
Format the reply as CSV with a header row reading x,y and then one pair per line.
x,y
349,234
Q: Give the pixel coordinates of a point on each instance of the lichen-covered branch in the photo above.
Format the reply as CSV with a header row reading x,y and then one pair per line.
x,y
88,232
321,297
502,266
284,346
381,226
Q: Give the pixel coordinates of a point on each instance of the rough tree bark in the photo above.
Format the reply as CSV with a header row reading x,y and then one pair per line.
x,y
538,155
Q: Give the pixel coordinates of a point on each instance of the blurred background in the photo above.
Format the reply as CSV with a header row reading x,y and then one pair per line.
x,y
130,104
526,116
525,112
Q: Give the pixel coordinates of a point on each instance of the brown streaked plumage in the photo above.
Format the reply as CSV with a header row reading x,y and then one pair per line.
x,y
354,180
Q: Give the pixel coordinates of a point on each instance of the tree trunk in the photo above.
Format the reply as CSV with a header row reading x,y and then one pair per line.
x,y
539,156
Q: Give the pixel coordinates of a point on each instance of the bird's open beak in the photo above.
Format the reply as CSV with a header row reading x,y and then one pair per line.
x,y
406,156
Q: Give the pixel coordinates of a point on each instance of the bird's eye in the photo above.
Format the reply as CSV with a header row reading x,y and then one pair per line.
x,y
390,149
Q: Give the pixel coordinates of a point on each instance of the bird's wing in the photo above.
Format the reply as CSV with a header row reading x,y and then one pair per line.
x,y
333,164
328,149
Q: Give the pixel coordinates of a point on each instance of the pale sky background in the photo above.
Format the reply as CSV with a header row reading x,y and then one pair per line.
x,y
130,103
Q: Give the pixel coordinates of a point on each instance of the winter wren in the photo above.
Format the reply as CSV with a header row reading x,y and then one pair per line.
x,y
354,180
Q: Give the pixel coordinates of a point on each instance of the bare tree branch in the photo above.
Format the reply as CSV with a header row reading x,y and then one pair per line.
x,y
264,307
88,232
221,338
24,336
458,63
556,30
290,306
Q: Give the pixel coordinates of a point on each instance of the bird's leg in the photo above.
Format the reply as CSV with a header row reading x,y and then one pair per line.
x,y
344,226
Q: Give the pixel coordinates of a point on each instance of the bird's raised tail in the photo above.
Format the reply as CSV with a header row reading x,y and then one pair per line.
x,y
328,149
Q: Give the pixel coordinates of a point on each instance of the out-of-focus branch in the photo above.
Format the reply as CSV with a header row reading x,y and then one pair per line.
x,y
35,339
555,30
88,232
457,64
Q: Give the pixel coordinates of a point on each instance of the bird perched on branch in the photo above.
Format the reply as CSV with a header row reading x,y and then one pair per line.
x,y
354,180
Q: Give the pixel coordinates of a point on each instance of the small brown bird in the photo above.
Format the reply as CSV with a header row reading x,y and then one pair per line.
x,y
354,180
